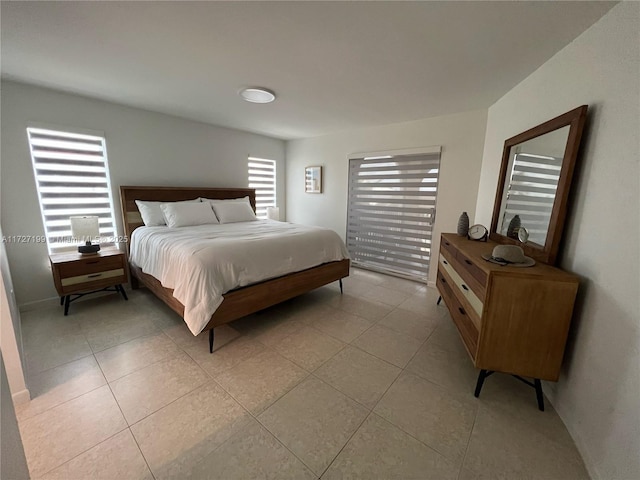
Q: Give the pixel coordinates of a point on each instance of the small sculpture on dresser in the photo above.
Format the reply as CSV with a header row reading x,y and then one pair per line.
x,y
463,224
514,226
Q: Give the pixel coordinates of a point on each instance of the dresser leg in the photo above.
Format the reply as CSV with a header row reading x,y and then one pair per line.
x,y
67,300
539,397
439,300
481,376
340,286
211,341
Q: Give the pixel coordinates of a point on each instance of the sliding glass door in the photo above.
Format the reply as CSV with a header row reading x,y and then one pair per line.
x,y
391,210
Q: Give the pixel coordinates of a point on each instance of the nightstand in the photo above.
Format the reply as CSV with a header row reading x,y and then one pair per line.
x,y
77,275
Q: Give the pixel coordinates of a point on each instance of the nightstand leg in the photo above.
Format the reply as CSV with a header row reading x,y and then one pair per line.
x,y
211,341
67,300
61,301
340,286
120,288
439,300
539,397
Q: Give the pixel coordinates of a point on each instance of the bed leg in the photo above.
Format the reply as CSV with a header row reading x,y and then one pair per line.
x,y
135,283
340,286
211,341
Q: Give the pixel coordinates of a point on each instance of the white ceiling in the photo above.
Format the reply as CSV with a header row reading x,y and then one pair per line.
x,y
334,66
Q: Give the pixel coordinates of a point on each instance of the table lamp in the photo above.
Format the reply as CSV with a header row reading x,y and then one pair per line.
x,y
273,213
85,229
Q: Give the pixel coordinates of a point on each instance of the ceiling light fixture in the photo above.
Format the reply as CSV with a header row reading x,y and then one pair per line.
x,y
257,95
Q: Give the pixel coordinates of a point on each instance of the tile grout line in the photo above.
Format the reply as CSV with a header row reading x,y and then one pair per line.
x,y
82,453
403,370
466,450
140,368
255,417
115,399
62,403
113,396
172,401
356,430
32,374
371,411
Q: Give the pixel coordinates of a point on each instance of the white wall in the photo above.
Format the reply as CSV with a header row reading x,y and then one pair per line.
x,y
144,148
598,395
461,137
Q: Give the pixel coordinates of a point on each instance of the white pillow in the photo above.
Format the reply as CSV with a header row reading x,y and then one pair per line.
x,y
179,214
232,212
213,201
152,215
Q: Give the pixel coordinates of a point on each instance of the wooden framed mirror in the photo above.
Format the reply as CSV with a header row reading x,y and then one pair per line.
x,y
534,183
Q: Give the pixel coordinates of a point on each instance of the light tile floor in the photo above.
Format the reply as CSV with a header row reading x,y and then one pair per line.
x,y
372,384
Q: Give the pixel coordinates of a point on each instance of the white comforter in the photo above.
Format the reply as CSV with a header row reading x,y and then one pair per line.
x,y
202,263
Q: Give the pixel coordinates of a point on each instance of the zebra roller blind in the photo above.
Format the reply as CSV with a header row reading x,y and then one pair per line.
x,y
72,178
392,207
531,194
262,177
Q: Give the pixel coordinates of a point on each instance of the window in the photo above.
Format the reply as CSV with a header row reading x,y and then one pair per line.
x,y
392,207
72,178
262,177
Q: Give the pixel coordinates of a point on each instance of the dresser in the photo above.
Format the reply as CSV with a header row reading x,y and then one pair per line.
x,y
510,319
78,275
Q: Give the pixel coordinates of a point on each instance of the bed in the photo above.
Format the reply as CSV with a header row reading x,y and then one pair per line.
x,y
238,302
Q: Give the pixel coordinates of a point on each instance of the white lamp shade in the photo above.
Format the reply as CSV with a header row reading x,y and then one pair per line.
x,y
273,213
84,229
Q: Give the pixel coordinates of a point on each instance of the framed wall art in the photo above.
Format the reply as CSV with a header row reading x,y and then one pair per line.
x,y
313,179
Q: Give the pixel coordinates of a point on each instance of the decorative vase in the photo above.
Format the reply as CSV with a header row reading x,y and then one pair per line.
x,y
463,224
514,226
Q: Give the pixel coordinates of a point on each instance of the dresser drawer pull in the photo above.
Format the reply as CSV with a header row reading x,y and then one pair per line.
x,y
447,243
94,275
443,280
445,262
462,311
468,262
464,287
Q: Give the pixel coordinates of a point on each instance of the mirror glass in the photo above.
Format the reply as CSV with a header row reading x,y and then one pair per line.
x,y
530,186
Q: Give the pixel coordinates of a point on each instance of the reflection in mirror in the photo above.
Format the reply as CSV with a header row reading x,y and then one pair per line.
x,y
531,183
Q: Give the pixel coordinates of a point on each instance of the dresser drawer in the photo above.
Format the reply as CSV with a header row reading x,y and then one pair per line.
x,y
448,247
91,265
462,287
461,319
471,269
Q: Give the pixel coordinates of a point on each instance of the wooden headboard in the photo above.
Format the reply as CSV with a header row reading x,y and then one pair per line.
x,y
131,218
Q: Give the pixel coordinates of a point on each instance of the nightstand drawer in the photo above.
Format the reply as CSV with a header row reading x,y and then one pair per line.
x,y
93,277
87,266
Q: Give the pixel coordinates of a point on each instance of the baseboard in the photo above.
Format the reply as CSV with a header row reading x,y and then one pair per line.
x,y
39,304
431,284
55,301
23,396
591,466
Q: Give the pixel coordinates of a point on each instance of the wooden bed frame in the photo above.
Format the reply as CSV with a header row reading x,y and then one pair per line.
x,y
242,301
